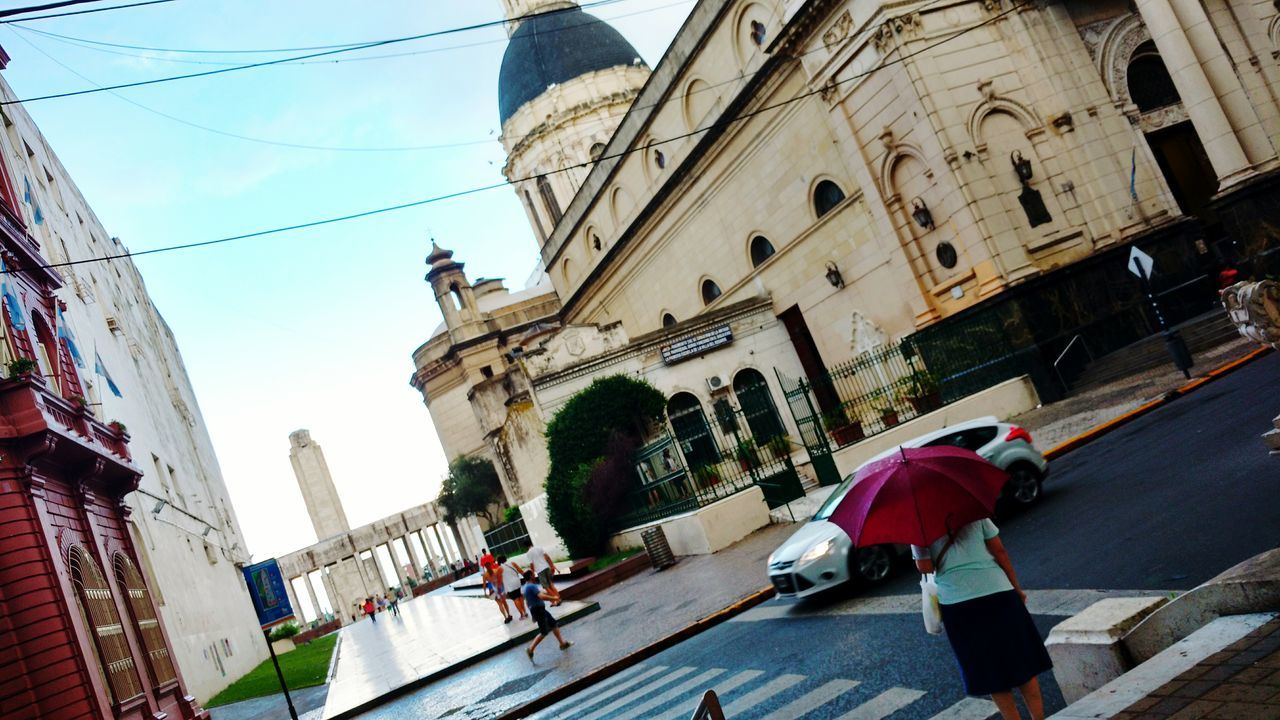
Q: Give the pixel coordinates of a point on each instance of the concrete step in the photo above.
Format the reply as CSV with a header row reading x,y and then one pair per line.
x,y
1201,334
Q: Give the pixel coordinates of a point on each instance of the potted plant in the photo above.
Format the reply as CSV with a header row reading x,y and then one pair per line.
x,y
888,415
843,430
780,446
921,390
80,403
118,427
705,475
22,366
745,452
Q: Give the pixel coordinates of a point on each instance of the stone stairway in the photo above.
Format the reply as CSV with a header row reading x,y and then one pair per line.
x,y
1202,333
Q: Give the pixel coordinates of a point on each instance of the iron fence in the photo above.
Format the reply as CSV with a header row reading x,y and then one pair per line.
x,y
510,539
703,459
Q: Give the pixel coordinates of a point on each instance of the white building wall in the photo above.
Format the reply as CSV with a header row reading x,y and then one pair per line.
x,y
184,527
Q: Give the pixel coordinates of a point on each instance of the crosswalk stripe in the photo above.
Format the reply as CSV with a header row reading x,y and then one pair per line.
x,y
970,708
760,694
592,698
639,693
812,700
883,705
680,712
675,692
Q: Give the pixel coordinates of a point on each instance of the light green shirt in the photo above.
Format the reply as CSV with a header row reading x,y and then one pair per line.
x,y
968,569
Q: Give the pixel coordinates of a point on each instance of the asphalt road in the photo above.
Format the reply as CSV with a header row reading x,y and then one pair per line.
x,y
1164,503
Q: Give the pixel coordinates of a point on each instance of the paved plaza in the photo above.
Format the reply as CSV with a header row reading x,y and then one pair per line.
x,y
433,636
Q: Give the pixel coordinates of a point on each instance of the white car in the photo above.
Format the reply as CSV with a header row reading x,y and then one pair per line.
x,y
820,554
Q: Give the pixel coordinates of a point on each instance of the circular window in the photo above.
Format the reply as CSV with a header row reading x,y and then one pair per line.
x,y
946,253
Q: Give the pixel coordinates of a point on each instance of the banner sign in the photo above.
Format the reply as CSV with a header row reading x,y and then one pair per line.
x,y
695,345
266,588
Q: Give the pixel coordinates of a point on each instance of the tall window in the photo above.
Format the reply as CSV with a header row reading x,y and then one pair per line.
x,y
757,405
549,198
761,250
533,210
46,353
98,609
826,196
1149,83
143,613
710,291
689,423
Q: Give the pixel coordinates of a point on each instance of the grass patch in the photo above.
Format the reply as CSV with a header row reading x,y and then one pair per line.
x,y
306,666
613,559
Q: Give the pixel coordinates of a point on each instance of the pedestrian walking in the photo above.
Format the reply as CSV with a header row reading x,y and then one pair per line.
x,y
493,588
545,568
393,602
511,576
382,603
370,609
486,559
985,616
534,596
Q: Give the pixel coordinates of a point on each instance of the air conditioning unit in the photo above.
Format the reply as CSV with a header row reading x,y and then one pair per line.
x,y
113,325
714,383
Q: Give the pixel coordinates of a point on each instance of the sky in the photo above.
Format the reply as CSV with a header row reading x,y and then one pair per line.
x,y
313,328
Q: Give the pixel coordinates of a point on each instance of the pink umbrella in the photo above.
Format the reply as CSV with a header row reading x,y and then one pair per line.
x,y
918,495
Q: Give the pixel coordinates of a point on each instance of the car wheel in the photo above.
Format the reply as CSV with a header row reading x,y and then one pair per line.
x,y
871,565
1023,488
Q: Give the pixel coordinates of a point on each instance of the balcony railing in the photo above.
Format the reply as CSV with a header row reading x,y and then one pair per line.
x,y
42,406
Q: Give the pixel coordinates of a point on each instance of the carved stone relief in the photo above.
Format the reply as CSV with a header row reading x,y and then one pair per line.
x,y
839,30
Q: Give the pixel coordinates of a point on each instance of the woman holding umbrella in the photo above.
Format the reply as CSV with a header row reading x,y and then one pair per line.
x,y
985,616
939,501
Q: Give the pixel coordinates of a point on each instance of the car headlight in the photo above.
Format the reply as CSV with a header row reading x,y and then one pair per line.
x,y
816,551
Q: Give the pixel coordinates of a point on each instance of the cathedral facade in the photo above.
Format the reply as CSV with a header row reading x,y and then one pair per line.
x,y
827,177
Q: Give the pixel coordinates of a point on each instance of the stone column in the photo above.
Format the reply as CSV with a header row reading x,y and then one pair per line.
x,y
1225,152
293,601
413,559
338,602
311,595
1221,72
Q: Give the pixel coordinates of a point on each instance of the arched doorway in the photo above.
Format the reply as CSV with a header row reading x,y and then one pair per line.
x,y
757,405
689,423
1173,141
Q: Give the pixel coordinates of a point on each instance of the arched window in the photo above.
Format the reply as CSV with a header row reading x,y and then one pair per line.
x,y
1149,83
689,423
710,291
826,196
45,349
761,250
143,614
596,150
98,610
757,405
533,212
455,295
567,269
549,198
668,320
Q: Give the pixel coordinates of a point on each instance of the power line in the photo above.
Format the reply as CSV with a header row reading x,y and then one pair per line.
x,y
723,122
281,61
75,12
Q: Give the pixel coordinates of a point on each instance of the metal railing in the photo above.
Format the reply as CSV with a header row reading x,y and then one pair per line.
x,y
510,539
1066,387
708,708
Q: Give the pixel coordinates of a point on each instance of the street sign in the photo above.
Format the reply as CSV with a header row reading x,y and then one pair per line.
x,y
266,588
1140,263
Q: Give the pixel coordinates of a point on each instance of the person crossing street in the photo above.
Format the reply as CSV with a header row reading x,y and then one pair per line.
x,y
534,597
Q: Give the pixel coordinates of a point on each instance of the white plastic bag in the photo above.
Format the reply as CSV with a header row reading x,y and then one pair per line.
x,y
929,605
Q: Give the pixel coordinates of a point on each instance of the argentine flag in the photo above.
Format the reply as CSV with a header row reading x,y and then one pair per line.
x,y
64,333
101,369
11,300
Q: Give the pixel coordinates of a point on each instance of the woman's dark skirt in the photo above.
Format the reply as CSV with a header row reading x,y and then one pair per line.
x,y
995,642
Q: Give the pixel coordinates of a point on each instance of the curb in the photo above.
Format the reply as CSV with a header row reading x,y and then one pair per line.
x,y
577,685
467,662
1092,434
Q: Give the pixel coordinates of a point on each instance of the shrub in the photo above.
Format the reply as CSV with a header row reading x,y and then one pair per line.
x,y
511,514
284,631
608,418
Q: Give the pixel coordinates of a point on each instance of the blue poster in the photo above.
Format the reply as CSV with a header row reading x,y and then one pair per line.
x,y
266,587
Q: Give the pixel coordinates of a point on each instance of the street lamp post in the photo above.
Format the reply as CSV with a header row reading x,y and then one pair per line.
x,y
1141,264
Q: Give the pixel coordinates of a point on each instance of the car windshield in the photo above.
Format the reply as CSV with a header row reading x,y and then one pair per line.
x,y
834,499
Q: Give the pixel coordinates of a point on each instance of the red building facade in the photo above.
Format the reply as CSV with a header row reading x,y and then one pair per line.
x,y
79,634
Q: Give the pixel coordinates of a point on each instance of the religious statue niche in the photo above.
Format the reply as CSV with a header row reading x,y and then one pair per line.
x,y
1030,198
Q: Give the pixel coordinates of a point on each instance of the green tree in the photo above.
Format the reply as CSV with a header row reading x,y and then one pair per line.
x,y
583,490
471,488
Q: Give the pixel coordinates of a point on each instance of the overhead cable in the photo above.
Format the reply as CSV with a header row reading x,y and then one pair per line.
x,y
76,12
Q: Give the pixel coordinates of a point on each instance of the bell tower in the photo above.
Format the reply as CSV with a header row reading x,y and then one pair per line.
x,y
454,294
566,81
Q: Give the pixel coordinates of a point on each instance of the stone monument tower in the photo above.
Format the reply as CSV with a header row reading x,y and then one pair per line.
x,y
566,81
318,492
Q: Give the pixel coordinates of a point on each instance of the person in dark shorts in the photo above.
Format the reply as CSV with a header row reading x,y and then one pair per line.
x,y
511,573
534,596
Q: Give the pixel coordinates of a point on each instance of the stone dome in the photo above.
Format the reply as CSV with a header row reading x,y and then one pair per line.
x,y
555,47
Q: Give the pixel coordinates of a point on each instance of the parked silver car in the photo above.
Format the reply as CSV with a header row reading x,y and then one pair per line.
x,y
820,555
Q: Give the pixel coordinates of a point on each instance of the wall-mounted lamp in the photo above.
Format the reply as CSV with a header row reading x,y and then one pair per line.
x,y
159,506
1021,165
833,275
921,214
208,529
